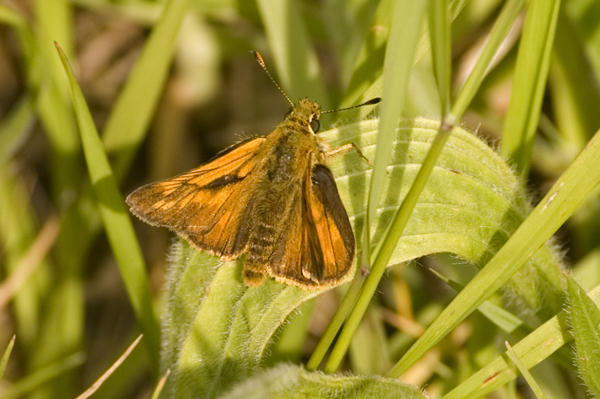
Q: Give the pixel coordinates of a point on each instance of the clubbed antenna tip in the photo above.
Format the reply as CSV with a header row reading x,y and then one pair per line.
x,y
260,60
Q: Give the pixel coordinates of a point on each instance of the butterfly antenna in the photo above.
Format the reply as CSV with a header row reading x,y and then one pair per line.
x,y
260,60
370,102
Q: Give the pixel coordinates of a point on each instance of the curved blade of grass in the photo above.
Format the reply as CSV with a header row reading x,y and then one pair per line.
x,y
554,209
400,49
116,219
293,382
529,83
532,350
439,31
160,385
129,120
504,22
537,391
585,322
15,128
367,81
6,355
369,61
18,231
573,95
348,24
298,72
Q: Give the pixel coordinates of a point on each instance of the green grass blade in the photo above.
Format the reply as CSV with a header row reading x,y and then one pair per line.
x,y
116,219
18,231
504,22
573,97
529,84
554,209
6,355
585,321
15,128
161,384
369,61
537,391
54,108
298,72
129,120
348,24
439,31
398,61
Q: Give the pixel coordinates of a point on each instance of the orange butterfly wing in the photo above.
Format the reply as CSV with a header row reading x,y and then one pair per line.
x,y
329,238
319,247
209,205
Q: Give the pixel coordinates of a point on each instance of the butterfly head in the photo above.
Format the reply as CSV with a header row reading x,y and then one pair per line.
x,y
306,113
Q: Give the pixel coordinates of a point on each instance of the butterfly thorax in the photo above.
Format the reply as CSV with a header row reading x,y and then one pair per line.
x,y
291,148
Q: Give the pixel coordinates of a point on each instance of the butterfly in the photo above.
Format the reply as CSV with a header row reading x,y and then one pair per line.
x,y
269,198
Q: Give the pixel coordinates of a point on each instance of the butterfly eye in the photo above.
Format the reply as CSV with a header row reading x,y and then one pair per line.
x,y
315,125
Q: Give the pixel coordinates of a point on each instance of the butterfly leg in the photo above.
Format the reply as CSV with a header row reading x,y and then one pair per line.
x,y
336,152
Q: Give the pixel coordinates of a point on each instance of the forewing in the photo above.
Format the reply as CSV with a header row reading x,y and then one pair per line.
x,y
207,205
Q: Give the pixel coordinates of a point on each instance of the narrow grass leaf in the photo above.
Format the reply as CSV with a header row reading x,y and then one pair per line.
x,y
369,61
18,231
348,24
406,22
537,391
504,22
585,322
554,209
160,385
529,83
502,318
54,22
575,88
6,355
439,32
298,72
116,219
15,128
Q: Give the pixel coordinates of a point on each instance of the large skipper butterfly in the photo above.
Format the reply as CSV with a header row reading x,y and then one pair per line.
x,y
270,198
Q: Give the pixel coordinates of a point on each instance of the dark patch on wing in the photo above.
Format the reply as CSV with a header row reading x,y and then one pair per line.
x,y
224,181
